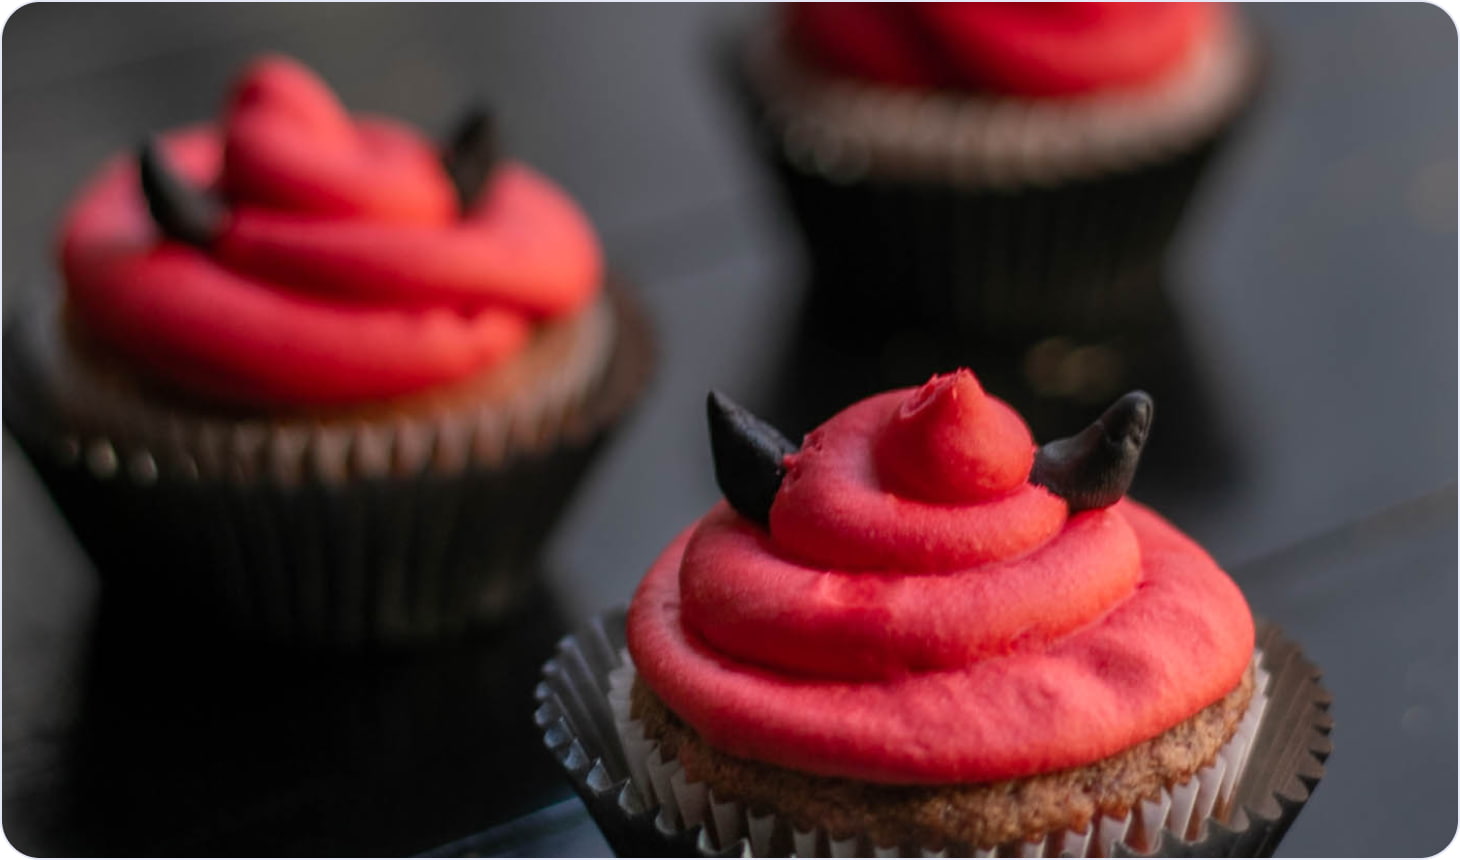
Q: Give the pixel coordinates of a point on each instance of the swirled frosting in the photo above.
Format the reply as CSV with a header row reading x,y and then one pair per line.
x,y
345,269
918,612
1021,49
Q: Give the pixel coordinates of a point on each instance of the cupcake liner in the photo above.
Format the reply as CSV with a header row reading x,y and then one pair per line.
x,y
682,804
976,215
1239,806
374,530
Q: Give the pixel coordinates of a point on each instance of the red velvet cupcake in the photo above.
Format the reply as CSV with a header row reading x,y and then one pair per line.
x,y
999,169
318,378
918,634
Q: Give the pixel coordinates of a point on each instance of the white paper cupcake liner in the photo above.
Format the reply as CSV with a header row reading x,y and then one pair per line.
x,y
1240,805
686,805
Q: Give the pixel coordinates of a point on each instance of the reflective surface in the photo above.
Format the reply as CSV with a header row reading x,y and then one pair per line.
x,y
1310,447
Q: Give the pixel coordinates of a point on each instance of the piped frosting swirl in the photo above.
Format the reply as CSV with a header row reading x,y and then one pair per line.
x,y
1041,50
343,268
918,612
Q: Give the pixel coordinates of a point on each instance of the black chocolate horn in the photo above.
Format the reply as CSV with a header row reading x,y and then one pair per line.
x,y
180,210
471,154
748,454
1094,468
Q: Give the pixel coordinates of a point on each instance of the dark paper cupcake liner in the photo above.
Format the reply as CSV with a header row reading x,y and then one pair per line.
x,y
574,714
1078,254
359,560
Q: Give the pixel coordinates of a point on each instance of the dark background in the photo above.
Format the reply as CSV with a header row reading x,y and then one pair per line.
x,y
1316,275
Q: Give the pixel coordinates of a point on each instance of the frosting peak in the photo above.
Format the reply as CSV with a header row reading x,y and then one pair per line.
x,y
289,145
950,442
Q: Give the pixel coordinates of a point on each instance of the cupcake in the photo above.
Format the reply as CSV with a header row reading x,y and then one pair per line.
x,y
1007,170
917,634
316,379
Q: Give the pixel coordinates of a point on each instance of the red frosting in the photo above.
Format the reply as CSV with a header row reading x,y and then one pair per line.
x,y
345,270
1022,49
919,613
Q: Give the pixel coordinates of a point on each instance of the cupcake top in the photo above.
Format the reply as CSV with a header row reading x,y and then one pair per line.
x,y
296,255
919,595
1039,50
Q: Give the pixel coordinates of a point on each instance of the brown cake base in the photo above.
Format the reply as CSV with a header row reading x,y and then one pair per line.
x,y
983,814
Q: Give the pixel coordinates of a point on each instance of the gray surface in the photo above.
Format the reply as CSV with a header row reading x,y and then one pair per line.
x,y
1322,272
1374,607
1318,272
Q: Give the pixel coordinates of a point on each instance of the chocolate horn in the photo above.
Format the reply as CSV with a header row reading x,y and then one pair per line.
x,y
180,210
748,454
471,154
1094,468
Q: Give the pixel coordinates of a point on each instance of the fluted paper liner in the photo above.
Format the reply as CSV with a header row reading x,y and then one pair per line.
x,y
1240,805
376,528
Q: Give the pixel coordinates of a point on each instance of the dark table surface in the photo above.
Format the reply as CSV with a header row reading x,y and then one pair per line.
x,y
1316,282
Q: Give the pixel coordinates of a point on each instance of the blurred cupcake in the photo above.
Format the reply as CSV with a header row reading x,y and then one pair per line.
x,y
316,379
999,169
918,635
